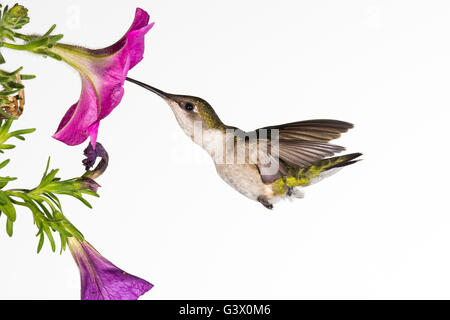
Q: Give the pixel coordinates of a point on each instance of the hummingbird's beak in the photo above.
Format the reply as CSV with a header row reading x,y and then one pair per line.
x,y
160,93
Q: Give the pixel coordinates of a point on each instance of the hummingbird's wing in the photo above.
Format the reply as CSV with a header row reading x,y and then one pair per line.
x,y
291,155
321,130
299,145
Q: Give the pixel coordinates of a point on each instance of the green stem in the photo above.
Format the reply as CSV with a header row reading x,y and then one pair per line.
x,y
14,46
49,30
22,36
23,204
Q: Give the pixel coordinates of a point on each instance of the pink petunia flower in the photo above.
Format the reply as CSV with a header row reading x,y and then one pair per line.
x,y
103,73
100,279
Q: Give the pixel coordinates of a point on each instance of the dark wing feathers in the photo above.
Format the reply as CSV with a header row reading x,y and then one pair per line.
x,y
305,153
303,143
312,130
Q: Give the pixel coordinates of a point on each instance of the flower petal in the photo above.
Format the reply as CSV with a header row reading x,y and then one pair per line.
x,y
100,279
93,133
92,154
116,284
73,128
135,36
109,77
136,44
103,72
139,27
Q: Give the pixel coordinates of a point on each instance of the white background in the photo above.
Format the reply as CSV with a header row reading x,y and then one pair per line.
x,y
378,229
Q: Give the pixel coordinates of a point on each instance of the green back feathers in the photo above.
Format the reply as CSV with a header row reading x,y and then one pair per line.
x,y
208,115
303,176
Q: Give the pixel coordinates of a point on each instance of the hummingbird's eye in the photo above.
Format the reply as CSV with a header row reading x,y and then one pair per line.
x,y
189,106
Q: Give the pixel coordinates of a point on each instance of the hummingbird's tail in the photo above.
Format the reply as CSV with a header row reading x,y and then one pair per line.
x,y
310,175
338,162
325,168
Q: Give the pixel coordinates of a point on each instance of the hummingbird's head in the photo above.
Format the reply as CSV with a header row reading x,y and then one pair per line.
x,y
189,110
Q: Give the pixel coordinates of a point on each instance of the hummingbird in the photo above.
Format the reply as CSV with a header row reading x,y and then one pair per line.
x,y
274,162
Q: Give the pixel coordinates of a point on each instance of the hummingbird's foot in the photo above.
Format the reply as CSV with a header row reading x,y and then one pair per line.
x,y
294,192
290,191
263,200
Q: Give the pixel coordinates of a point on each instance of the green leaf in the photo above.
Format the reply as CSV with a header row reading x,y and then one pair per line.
x,y
5,127
8,209
27,76
91,193
50,30
86,203
7,115
43,202
63,242
8,34
4,163
55,38
46,168
54,199
23,131
15,85
41,241
9,227
48,54
7,146
5,135
50,237
3,198
9,92
49,178
61,230
44,209
5,180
